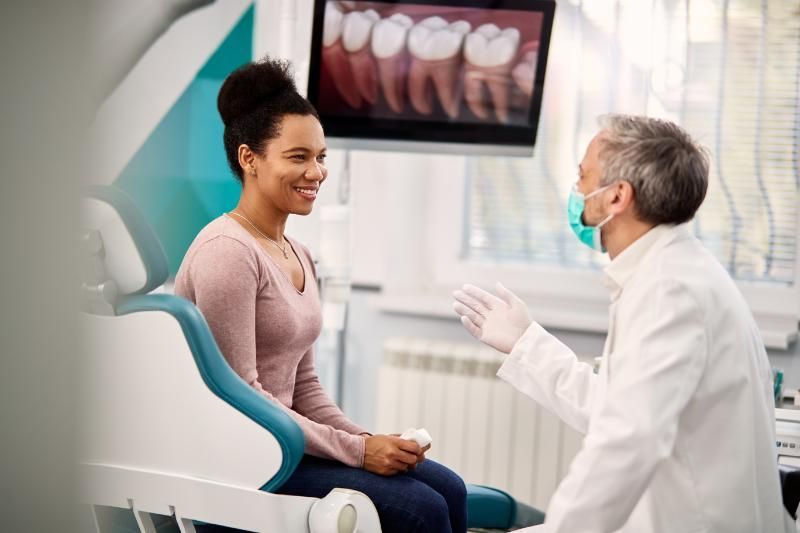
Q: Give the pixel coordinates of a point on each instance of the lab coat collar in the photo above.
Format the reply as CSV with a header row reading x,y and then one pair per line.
x,y
625,265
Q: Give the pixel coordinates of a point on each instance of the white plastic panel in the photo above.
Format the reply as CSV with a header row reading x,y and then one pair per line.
x,y
148,408
196,499
122,260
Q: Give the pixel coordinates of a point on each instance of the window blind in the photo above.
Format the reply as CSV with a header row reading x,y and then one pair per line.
x,y
727,70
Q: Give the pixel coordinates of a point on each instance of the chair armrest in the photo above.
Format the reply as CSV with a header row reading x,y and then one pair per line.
x,y
223,381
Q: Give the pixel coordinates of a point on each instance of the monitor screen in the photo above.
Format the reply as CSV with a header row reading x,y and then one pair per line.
x,y
451,76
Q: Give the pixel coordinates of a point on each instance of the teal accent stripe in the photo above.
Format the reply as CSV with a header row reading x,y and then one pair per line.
x,y
143,236
223,381
179,177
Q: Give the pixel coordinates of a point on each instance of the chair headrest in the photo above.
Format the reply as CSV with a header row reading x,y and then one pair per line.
x,y
132,255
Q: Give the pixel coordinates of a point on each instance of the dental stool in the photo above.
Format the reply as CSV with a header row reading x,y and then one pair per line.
x,y
172,430
490,508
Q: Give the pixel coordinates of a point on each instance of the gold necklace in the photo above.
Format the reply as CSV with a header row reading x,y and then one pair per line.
x,y
273,241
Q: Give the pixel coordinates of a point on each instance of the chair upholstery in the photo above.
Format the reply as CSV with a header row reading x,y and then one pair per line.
x,y
488,507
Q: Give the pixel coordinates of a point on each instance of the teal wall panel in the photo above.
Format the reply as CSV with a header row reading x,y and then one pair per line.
x,y
180,178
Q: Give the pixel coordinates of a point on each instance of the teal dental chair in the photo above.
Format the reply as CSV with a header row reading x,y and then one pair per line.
x,y
172,431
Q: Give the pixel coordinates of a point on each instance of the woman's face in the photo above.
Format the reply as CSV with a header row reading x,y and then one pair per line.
x,y
292,168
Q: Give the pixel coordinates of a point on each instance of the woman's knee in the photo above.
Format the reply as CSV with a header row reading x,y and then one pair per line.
x,y
443,480
426,512
435,508
461,493
457,487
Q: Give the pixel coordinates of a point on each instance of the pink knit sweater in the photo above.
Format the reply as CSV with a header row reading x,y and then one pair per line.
x,y
266,330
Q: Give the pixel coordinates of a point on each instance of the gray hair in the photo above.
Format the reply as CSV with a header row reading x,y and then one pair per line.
x,y
667,169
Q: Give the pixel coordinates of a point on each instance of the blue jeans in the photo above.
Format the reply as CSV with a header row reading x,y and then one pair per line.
x,y
428,499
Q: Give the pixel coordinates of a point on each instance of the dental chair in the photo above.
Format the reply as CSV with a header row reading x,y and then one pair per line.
x,y
173,435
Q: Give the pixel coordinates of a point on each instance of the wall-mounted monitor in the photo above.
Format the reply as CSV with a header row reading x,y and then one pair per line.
x,y
455,76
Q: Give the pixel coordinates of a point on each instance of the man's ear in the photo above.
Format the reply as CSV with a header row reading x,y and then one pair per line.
x,y
623,197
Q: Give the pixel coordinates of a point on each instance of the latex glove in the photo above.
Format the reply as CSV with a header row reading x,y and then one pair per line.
x,y
496,321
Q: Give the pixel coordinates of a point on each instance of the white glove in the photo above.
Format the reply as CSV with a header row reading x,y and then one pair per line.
x,y
498,322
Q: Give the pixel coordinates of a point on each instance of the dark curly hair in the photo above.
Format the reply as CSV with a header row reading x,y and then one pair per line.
x,y
252,102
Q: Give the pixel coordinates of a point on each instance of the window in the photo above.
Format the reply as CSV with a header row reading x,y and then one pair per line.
x,y
729,71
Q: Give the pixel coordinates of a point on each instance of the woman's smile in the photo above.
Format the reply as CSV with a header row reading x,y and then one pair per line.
x,y
307,193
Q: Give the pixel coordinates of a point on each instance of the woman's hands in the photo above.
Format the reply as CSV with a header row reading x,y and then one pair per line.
x,y
388,455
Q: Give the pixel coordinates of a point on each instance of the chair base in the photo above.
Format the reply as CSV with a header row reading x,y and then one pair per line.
x,y
190,499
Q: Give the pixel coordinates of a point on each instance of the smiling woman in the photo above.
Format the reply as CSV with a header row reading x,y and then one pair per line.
x,y
256,288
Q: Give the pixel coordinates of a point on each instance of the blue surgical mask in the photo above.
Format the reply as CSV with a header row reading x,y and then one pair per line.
x,y
588,235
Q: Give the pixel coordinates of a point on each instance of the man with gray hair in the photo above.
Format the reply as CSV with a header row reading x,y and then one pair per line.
x,y
679,420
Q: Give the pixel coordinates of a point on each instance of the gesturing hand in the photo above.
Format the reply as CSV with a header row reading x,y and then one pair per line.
x,y
498,322
388,455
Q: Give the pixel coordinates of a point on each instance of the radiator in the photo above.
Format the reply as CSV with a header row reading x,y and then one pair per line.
x,y
482,428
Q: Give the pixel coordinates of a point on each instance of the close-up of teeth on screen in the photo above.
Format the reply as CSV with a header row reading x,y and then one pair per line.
x,y
423,62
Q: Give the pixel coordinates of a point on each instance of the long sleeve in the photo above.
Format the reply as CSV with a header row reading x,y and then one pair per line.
x,y
311,400
653,375
541,367
225,280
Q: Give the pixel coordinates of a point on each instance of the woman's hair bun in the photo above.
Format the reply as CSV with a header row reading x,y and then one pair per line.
x,y
254,85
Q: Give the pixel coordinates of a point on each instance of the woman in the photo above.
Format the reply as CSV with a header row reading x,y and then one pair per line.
x,y
256,288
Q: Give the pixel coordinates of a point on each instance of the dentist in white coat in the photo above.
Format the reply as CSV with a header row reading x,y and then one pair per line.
x,y
679,422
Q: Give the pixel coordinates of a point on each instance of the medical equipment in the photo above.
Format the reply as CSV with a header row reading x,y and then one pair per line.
x,y
787,436
777,384
451,77
420,436
787,440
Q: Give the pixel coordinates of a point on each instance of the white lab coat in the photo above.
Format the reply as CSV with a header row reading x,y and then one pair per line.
x,y
679,422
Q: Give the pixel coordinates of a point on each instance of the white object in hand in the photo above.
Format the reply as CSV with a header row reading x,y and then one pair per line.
x,y
420,436
496,321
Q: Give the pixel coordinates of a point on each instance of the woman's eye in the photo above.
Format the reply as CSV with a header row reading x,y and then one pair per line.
x,y
321,158
299,157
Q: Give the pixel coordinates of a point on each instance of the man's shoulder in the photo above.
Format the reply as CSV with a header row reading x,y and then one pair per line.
x,y
685,258
684,263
